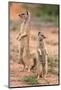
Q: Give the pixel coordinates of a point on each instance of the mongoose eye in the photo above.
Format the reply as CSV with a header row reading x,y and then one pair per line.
x,y
21,14
43,36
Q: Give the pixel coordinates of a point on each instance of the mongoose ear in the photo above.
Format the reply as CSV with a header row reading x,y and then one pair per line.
x,y
39,33
27,12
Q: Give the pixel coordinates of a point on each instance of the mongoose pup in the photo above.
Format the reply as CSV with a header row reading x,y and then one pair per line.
x,y
42,63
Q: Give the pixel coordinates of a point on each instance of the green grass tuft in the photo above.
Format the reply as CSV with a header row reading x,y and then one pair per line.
x,y
32,80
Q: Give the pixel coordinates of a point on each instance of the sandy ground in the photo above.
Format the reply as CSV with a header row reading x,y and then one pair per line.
x,y
16,73
16,76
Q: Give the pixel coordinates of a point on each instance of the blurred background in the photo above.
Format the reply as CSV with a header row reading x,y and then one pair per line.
x,y
43,12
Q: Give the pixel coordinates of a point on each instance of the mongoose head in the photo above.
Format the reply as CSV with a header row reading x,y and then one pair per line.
x,y
25,15
41,36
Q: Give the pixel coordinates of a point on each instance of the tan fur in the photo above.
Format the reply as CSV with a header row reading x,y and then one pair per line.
x,y
42,63
23,38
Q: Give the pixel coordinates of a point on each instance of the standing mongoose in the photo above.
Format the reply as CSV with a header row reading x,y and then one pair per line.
x,y
23,38
42,63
